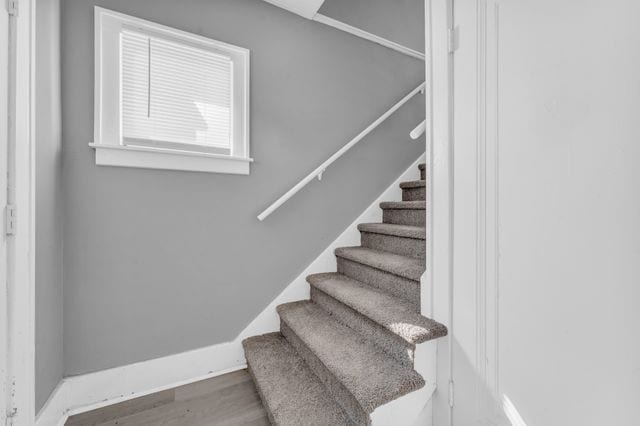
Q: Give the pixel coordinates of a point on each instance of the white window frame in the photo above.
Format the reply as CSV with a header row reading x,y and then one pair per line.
x,y
108,141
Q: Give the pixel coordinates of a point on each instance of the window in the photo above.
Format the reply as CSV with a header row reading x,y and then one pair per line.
x,y
166,99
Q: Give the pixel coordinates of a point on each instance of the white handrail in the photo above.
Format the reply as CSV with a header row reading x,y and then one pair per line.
x,y
418,131
317,173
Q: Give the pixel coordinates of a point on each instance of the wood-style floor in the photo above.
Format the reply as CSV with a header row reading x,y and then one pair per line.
x,y
230,399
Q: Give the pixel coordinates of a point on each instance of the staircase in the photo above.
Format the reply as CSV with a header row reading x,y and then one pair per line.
x,y
351,348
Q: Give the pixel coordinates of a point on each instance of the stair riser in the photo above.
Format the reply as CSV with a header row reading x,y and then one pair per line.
x,y
261,394
390,243
405,217
281,376
392,284
414,194
346,400
379,336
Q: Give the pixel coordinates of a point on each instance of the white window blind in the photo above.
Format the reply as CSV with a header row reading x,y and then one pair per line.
x,y
175,95
168,99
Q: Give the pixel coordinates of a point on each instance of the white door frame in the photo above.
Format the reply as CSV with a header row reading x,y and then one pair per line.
x,y
19,379
466,206
440,196
4,131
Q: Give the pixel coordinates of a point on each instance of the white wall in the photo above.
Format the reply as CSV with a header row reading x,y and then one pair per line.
x,y
547,213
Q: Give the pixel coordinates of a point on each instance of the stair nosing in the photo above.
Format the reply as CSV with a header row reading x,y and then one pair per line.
x,y
394,230
414,184
403,205
435,329
369,402
348,254
261,342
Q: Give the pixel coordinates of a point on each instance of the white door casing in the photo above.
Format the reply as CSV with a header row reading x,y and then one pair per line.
x,y
4,131
475,362
18,157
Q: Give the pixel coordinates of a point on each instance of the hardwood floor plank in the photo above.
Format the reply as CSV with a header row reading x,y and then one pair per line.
x,y
228,400
122,409
231,404
205,387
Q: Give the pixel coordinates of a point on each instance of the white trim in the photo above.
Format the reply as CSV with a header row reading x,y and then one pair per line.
x,y
488,115
368,36
90,391
21,246
4,131
169,159
427,361
107,102
481,192
438,291
407,410
95,390
419,130
404,411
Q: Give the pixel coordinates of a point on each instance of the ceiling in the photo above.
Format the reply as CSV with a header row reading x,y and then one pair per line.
x,y
306,8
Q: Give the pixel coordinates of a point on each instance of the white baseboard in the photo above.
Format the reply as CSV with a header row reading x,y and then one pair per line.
x,y
78,394
413,408
425,418
405,411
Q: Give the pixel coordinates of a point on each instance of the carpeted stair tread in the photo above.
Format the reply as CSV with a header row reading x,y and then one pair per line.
x,y
403,205
402,266
404,231
291,393
368,373
414,184
390,312
351,348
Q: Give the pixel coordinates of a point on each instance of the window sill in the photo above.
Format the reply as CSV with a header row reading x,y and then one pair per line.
x,y
167,159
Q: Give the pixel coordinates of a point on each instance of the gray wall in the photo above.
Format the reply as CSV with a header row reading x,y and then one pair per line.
x,y
49,202
159,262
401,21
